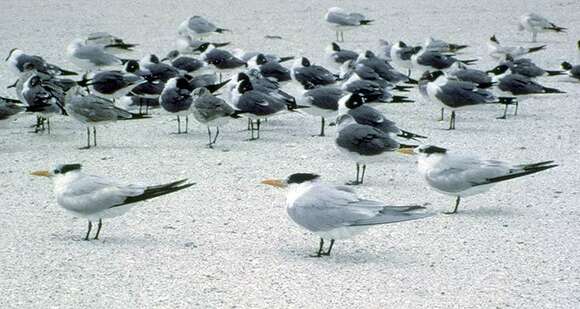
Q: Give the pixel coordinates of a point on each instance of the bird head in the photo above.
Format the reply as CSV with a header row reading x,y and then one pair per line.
x,y
499,70
294,179
60,169
427,150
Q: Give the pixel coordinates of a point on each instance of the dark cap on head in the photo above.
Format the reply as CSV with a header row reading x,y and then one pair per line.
x,y
299,178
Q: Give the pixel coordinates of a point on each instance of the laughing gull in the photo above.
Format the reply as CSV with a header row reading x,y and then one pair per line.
x,y
479,77
441,46
248,55
110,43
157,70
525,67
10,107
381,67
500,52
184,63
465,175
176,99
211,111
111,84
323,102
455,94
362,113
254,104
337,56
311,76
340,20
187,45
364,144
429,61
90,57
221,59
270,69
336,212
96,198
572,71
372,91
535,24
198,27
46,100
518,85
92,110
18,62
401,55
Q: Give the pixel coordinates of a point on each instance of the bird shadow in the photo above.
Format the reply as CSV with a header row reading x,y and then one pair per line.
x,y
485,212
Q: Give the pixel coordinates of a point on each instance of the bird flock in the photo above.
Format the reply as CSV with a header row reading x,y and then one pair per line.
x,y
217,85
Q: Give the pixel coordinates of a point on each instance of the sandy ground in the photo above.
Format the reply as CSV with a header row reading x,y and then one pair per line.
x,y
227,241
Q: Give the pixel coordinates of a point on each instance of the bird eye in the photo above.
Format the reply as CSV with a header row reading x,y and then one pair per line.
x,y
56,171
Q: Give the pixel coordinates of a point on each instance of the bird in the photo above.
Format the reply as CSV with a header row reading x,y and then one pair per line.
x,y
221,59
176,99
92,110
456,94
211,111
570,70
441,46
44,98
364,144
248,55
336,212
321,102
91,57
478,77
187,45
336,55
499,52
368,62
535,24
254,104
198,27
373,91
401,55
111,84
110,43
270,69
311,76
18,62
151,68
340,20
517,85
526,67
427,60
96,198
466,175
10,107
184,63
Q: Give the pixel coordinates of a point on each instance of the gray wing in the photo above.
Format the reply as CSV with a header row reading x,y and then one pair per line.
x,y
344,19
199,24
95,55
259,103
211,107
519,84
344,55
95,109
324,97
9,107
368,115
472,75
314,74
458,94
365,140
435,59
175,100
324,208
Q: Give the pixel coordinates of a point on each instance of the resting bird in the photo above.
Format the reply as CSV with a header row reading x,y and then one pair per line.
x,y
535,24
340,20
96,198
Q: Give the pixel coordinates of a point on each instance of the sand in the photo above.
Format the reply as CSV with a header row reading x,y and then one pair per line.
x,y
227,241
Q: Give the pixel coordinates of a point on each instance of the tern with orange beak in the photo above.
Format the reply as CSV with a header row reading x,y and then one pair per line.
x,y
96,198
336,212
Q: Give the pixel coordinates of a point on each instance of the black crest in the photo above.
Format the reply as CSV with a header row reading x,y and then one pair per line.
x,y
432,149
355,100
182,83
132,66
301,177
261,59
402,44
369,54
305,62
245,85
65,168
154,59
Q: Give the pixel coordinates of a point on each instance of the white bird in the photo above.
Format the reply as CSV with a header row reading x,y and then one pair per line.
x,y
89,56
198,27
461,176
110,43
340,20
501,53
96,198
535,24
336,212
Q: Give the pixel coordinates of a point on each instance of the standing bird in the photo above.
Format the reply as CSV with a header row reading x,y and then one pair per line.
x,y
323,102
96,198
45,99
198,27
499,52
364,144
184,63
92,110
401,55
211,111
18,62
111,84
176,99
336,212
462,176
535,24
526,67
311,76
340,20
429,61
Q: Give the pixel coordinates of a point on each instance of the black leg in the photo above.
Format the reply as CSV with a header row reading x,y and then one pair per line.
x,y
178,125
217,133
442,114
362,178
249,124
319,253
48,125
186,123
504,113
88,139
327,253
258,132
517,105
99,229
322,126
89,230
355,182
452,121
95,136
454,208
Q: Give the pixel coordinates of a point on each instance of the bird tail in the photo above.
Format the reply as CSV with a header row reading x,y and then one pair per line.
x,y
566,65
535,49
400,99
366,21
523,170
555,28
216,87
403,88
485,85
67,73
410,135
222,30
284,59
468,62
156,191
392,214
454,47
411,81
10,100
124,46
552,90
555,72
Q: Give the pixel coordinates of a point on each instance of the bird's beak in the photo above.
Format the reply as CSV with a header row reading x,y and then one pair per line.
x,y
278,183
41,173
407,151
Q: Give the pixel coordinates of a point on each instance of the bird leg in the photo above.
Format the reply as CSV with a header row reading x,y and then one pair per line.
x,y
95,136
99,229
342,36
258,123
452,121
89,230
362,178
209,136
217,133
337,36
178,125
355,182
322,127
534,35
88,139
319,252
327,253
454,208
517,105
186,123
48,125
442,114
